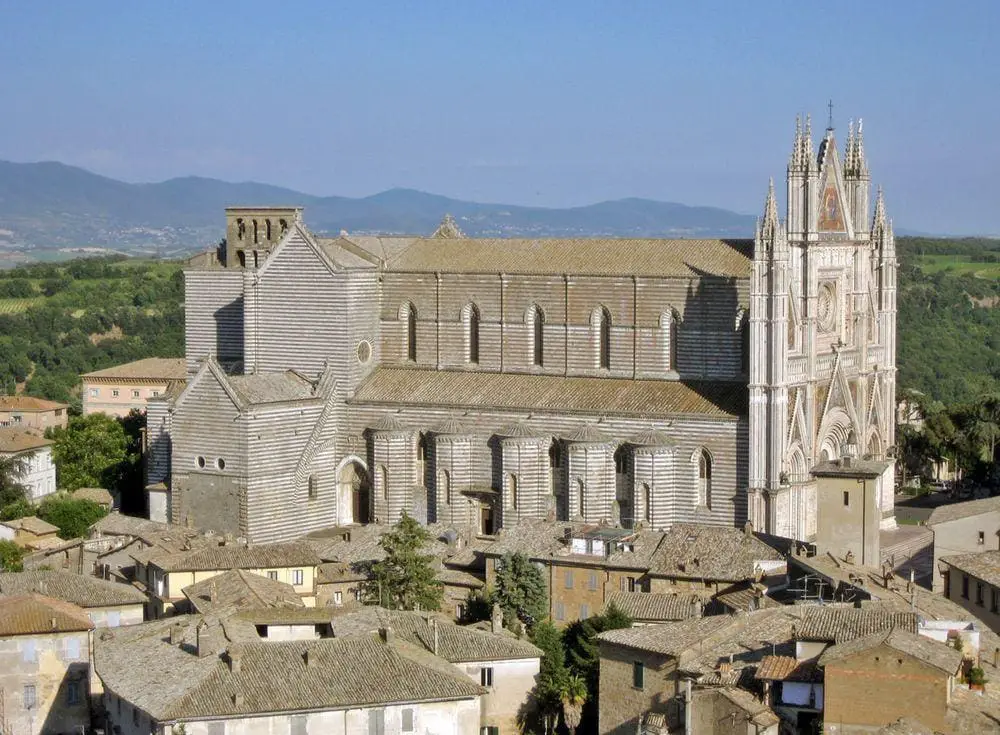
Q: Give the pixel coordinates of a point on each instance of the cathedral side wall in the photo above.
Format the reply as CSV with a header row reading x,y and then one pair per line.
x,y
213,316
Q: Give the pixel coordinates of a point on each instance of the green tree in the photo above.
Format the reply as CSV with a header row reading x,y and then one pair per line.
x,y
10,556
580,639
520,591
19,509
72,516
89,452
12,470
553,673
405,578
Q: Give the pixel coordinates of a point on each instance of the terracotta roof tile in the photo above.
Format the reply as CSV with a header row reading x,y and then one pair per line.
x,y
844,623
36,614
577,256
935,653
239,589
28,404
234,556
513,391
984,565
31,524
149,369
787,668
701,551
654,606
955,511
75,588
14,440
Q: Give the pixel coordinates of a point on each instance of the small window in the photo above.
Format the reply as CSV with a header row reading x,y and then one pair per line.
x,y
376,722
592,583
560,611
220,463
73,693
272,574
486,676
338,598
965,586
200,461
584,611
29,697
297,577
135,393
407,718
995,603
979,593
94,392
135,716
638,675
155,393
313,490
982,538
115,393
569,579
28,651
72,649
847,499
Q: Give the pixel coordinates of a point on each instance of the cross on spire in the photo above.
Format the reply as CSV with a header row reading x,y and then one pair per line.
x,y
829,122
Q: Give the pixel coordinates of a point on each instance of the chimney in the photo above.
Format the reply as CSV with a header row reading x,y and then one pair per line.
x,y
204,640
385,633
310,658
434,630
695,607
52,622
234,654
212,592
748,528
176,634
238,699
496,619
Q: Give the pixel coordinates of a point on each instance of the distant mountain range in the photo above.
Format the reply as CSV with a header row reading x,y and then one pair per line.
x,y
52,205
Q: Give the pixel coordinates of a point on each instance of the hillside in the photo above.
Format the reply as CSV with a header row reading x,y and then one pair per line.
x,y
51,205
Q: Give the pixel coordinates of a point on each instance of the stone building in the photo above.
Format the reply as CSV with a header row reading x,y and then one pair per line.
x,y
481,382
34,452
973,581
963,528
28,412
118,390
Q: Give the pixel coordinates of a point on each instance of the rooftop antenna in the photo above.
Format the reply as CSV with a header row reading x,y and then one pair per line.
x,y
829,120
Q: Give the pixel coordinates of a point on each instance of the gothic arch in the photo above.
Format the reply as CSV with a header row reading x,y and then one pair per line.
x,y
669,326
797,467
407,315
470,330
354,488
833,433
703,464
534,317
874,446
600,322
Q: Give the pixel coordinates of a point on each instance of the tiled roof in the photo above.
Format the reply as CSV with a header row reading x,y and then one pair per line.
x,y
670,639
171,682
166,536
757,712
28,404
955,511
14,440
75,588
36,614
271,387
541,539
700,551
578,256
31,524
235,556
456,643
935,653
643,606
984,565
94,494
856,468
743,598
150,369
841,623
787,668
587,433
239,589
514,391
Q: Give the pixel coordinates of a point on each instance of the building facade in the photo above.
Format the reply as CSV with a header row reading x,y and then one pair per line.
x,y
481,382
118,390
28,412
34,452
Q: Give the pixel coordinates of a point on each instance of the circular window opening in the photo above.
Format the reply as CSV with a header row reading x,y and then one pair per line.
x,y
220,463
200,462
364,351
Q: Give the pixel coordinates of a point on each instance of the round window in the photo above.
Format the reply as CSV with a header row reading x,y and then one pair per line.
x,y
200,462
364,351
826,307
220,463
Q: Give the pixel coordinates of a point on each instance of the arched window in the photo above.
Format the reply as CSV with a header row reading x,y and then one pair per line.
x,y
600,321
421,458
555,455
621,460
470,317
267,230
383,478
242,257
444,485
512,488
241,229
256,233
647,503
580,492
668,336
408,315
537,319
705,478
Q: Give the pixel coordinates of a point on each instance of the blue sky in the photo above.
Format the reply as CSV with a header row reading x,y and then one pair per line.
x,y
539,103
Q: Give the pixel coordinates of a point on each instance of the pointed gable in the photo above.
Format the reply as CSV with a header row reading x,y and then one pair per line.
x,y
832,215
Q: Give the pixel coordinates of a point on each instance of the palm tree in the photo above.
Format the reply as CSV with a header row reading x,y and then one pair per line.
x,y
574,696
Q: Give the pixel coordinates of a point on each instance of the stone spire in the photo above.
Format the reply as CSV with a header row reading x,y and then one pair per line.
x,y
849,149
807,144
769,225
448,229
859,152
879,223
795,160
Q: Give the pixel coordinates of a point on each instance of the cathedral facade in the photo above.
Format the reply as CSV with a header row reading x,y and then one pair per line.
x,y
479,382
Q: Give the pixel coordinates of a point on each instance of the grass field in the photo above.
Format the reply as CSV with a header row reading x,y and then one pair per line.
x,y
958,264
16,306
